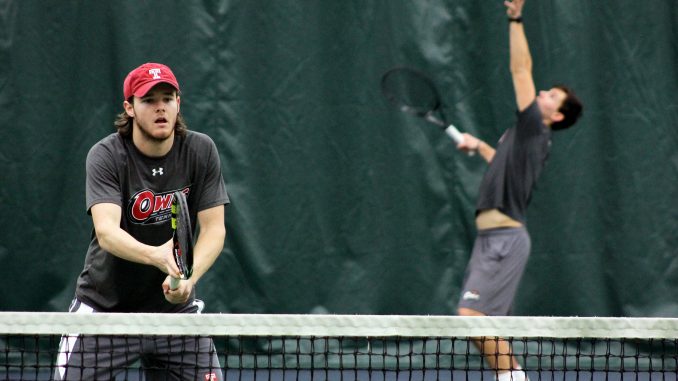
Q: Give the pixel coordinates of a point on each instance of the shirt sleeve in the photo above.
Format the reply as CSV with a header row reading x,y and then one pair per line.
x,y
530,121
214,189
102,179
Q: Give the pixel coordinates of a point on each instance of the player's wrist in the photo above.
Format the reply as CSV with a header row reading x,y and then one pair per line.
x,y
515,19
477,146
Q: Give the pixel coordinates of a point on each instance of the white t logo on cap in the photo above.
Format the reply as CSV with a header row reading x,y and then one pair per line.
x,y
155,73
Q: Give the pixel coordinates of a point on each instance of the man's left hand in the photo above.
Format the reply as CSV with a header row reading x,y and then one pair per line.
x,y
180,294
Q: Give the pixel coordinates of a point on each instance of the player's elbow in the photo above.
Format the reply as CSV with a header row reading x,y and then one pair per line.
x,y
217,235
517,70
521,66
105,238
222,235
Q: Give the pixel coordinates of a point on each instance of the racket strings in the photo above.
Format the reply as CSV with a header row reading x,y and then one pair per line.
x,y
410,91
184,233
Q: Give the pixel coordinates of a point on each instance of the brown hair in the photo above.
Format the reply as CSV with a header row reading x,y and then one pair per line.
x,y
571,109
123,123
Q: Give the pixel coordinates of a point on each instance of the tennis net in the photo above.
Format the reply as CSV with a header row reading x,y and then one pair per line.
x,y
332,347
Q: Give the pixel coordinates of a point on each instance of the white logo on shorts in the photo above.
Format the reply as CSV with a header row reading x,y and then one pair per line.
x,y
471,295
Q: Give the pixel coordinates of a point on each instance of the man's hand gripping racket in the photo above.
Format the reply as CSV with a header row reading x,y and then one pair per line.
x,y
182,238
414,93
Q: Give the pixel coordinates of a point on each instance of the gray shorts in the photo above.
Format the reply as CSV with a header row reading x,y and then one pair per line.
x,y
494,271
86,357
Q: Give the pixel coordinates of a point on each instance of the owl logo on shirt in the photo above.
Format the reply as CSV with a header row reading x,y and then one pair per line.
x,y
147,207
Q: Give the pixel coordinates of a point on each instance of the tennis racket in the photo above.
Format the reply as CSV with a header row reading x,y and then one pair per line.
x,y
412,92
182,237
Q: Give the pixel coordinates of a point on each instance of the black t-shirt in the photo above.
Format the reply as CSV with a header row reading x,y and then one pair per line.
x,y
519,159
118,173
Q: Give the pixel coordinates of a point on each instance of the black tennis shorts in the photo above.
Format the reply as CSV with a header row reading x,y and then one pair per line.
x,y
87,357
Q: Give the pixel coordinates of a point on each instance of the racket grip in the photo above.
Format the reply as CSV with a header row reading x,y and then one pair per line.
x,y
454,134
174,283
452,131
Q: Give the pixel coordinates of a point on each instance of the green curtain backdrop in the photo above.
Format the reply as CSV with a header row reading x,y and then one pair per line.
x,y
340,204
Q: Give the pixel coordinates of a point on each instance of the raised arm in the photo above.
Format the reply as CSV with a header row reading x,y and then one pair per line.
x,y
521,74
521,60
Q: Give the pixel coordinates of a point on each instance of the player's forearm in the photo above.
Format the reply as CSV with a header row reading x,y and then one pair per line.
x,y
521,60
119,243
207,248
486,151
114,240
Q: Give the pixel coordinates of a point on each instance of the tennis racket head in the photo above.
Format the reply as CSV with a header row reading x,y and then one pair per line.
x,y
411,91
183,234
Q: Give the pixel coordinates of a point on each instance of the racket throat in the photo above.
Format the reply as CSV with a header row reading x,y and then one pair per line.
x,y
429,117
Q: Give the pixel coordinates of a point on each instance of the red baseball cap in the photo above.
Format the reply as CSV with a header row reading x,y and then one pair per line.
x,y
143,78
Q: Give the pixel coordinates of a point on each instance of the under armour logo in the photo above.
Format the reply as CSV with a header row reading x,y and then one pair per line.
x,y
157,171
210,376
156,75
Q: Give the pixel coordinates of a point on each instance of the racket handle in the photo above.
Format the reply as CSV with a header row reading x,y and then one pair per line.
x,y
174,283
452,131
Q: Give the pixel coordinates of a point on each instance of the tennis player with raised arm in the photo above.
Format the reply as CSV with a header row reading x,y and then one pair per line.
x,y
502,246
131,177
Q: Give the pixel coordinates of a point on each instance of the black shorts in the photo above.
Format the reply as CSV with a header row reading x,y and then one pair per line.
x,y
495,270
86,357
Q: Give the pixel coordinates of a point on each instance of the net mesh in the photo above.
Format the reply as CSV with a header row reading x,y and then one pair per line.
x,y
330,347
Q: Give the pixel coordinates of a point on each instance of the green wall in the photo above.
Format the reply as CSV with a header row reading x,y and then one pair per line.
x,y
340,204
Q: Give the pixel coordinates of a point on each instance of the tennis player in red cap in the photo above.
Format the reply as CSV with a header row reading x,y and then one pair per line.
x,y
131,177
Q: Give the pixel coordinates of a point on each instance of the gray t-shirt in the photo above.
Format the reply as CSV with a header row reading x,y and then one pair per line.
x,y
518,161
118,173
